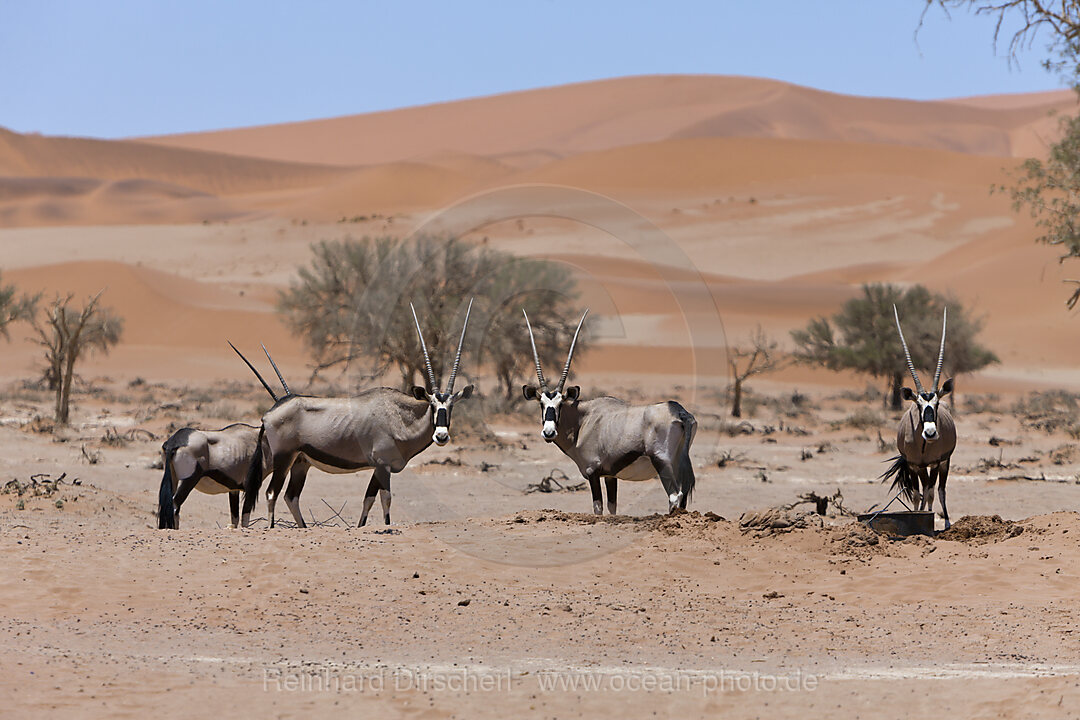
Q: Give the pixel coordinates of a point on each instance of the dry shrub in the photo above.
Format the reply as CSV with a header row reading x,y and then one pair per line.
x,y
863,419
1050,411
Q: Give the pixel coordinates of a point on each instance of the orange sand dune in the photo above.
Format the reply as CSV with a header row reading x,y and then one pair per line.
x,y
37,156
169,323
703,163
625,111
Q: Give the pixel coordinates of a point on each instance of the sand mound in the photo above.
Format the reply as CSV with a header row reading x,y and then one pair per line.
x,y
778,520
981,529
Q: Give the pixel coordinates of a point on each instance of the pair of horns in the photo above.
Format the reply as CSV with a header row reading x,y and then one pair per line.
x,y
907,353
274,364
427,358
569,356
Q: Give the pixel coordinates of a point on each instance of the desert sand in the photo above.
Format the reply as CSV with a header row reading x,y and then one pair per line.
x,y
692,209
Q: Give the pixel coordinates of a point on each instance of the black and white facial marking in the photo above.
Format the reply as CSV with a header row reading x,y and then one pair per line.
x,y
928,408
550,406
442,404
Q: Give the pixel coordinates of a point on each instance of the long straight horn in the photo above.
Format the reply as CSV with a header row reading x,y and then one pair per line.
x,y
253,370
907,353
423,346
460,345
941,352
570,355
536,357
274,364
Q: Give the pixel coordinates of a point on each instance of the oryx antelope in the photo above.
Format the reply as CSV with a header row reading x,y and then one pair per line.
x,y
611,439
211,461
381,429
925,438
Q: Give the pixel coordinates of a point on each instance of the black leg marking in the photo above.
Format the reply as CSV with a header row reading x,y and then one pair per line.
x,y
234,507
297,478
597,496
612,484
369,499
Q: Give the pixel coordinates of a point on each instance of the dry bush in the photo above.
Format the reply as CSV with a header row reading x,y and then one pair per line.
x,y
1050,411
990,403
862,419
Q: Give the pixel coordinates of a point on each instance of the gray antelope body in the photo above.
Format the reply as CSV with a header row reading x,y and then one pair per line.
x,y
210,461
612,440
380,429
925,438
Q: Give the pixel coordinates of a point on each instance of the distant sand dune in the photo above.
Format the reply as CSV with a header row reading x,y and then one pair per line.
x,y
783,199
626,111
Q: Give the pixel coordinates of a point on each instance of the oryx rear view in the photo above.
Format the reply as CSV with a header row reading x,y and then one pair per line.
x,y
612,440
210,461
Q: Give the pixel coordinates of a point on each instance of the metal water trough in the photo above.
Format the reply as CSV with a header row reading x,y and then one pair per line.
x,y
909,522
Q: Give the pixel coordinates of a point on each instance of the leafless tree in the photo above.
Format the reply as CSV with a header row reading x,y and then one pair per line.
x,y
66,334
1058,22
757,356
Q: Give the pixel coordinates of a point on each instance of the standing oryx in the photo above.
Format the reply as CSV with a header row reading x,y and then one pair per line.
x,y
610,439
926,437
380,428
211,461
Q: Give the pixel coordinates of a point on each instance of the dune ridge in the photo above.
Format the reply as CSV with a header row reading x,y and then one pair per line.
x,y
603,114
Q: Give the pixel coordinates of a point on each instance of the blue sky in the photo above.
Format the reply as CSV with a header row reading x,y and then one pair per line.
x,y
119,68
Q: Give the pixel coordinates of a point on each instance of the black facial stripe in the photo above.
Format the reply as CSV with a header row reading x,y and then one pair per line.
x,y
928,414
442,418
550,394
549,414
927,396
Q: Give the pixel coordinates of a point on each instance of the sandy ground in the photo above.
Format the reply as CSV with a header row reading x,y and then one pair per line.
x,y
483,599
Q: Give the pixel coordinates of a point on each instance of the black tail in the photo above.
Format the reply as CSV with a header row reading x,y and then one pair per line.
x,y
166,510
903,479
684,470
254,478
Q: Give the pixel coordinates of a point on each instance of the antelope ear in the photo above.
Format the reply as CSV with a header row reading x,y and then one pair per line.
x,y
529,391
907,393
573,393
419,393
464,393
946,388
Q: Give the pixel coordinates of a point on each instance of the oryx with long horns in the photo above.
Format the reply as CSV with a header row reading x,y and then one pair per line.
x,y
210,461
610,439
926,437
380,429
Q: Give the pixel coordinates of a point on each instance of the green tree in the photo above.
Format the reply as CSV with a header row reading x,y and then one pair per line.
x,y
862,337
67,334
351,303
14,307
